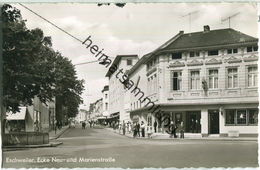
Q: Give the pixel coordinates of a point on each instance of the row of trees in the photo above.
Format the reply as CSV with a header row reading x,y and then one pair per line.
x,y
32,68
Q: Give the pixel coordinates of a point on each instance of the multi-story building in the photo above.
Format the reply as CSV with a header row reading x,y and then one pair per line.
x,y
207,80
105,100
116,88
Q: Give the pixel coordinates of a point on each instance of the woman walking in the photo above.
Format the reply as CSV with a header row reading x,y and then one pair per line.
x,y
143,129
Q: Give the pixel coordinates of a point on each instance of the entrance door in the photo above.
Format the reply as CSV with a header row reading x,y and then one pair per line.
x,y
213,121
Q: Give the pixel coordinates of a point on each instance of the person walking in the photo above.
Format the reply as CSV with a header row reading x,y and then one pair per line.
x,y
138,129
172,130
123,127
155,126
143,129
182,130
134,130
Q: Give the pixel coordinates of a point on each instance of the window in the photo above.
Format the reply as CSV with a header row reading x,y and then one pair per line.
x,y
176,55
253,116
251,49
230,117
213,79
176,80
195,79
194,54
106,96
212,52
252,76
241,117
232,78
129,62
232,51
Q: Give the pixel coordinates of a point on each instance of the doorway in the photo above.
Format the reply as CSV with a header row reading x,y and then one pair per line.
x,y
213,122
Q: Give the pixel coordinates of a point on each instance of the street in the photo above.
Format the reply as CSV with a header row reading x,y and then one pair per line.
x,y
81,146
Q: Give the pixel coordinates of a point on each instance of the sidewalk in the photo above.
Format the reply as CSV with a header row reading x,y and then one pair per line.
x,y
53,135
165,136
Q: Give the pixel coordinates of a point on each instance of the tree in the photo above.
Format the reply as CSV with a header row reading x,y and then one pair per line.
x,y
32,68
68,87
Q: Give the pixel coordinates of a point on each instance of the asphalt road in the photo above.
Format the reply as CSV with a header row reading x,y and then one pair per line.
x,y
103,148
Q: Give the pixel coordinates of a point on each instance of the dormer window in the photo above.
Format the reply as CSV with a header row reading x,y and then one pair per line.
x,y
194,54
176,56
129,62
232,51
212,52
251,49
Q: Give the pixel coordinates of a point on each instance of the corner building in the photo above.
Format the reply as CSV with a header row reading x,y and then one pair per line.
x,y
207,80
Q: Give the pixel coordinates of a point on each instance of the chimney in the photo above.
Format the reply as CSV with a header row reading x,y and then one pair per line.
x,y
181,32
206,28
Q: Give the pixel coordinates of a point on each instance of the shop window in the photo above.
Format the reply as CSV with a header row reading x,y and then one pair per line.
x,y
176,80
232,51
176,56
241,117
252,76
212,52
232,78
230,117
213,79
195,80
253,116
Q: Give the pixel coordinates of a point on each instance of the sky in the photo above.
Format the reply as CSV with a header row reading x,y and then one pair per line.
x,y
133,29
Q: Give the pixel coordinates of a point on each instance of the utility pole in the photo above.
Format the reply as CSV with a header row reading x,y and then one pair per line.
x,y
2,114
189,14
229,19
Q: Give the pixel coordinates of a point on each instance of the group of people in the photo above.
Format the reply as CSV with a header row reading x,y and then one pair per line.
x,y
140,130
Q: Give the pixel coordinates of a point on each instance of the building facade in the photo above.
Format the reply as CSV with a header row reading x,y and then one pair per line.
x,y
207,80
116,88
105,100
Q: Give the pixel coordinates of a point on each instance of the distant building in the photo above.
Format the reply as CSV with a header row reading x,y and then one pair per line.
x,y
105,100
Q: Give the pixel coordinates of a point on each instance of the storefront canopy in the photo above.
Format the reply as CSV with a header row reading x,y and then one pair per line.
x,y
18,115
103,117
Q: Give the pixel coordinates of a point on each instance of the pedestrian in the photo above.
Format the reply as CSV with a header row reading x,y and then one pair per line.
x,y
130,127
83,125
182,130
143,129
134,130
138,129
123,127
155,126
172,130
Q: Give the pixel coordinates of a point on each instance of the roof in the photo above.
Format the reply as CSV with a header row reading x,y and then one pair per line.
x,y
138,64
210,38
117,59
18,115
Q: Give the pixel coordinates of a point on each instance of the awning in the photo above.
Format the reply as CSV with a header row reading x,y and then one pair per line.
x,y
103,117
18,115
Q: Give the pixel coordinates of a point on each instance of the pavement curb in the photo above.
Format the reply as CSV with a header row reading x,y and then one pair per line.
x,y
52,144
59,134
178,139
